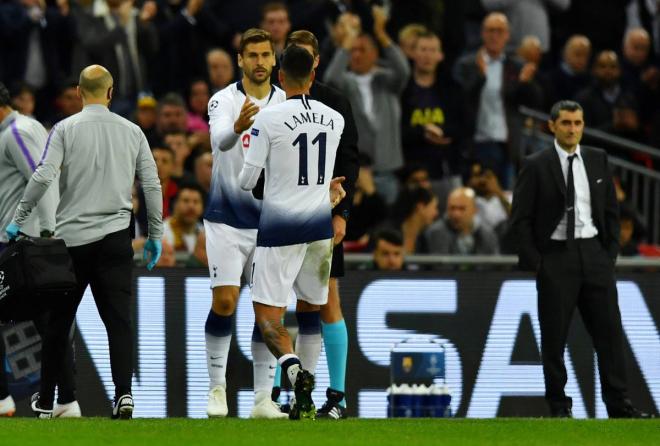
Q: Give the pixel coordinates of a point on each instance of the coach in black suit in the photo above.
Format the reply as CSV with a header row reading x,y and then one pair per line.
x,y
565,216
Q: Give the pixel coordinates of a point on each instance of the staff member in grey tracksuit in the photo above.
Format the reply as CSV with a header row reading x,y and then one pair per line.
x,y
97,154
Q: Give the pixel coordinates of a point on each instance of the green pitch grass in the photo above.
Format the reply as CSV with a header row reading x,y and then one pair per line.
x,y
412,432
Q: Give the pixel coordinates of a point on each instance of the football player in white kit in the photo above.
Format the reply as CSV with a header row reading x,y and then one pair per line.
x,y
232,217
295,142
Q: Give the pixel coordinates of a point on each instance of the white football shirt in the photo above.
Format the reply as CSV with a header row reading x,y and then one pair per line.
x,y
296,143
228,203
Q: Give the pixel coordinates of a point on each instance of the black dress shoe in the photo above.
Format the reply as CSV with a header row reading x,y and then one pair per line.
x,y
628,411
561,412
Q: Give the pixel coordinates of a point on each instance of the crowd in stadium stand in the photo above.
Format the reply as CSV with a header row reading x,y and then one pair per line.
x,y
436,109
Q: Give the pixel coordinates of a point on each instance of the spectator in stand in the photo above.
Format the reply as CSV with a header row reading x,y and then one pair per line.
x,y
220,68
275,20
145,116
374,94
639,73
646,14
369,209
203,169
461,231
414,176
608,105
530,50
125,40
528,18
23,100
164,157
67,103
636,64
414,211
172,115
493,204
198,100
182,228
388,252
433,112
572,74
496,84
407,38
182,171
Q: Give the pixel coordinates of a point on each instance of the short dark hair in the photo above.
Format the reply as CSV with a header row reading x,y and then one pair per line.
x,y
189,186
164,148
390,236
297,64
303,37
255,35
20,87
174,99
563,105
5,97
407,202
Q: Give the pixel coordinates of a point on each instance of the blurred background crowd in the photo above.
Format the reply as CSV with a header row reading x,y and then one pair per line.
x,y
440,133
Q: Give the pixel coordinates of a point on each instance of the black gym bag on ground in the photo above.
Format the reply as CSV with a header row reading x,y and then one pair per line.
x,y
34,273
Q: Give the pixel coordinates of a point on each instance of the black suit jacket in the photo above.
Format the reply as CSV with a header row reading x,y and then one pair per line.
x,y
539,203
346,163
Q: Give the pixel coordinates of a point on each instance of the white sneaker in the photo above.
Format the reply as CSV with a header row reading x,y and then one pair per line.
x,y
7,407
267,409
69,410
217,406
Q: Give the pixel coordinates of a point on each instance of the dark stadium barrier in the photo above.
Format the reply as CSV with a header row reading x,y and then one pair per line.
x,y
487,320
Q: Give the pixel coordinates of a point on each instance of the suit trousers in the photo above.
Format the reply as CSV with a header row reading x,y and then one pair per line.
x,y
580,276
106,266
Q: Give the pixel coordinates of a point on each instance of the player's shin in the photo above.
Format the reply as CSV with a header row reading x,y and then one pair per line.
x,y
218,330
308,342
264,365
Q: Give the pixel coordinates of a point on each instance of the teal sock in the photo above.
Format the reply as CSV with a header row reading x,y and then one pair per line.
x,y
277,382
335,339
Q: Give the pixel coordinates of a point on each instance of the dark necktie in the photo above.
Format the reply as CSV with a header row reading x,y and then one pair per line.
x,y
570,203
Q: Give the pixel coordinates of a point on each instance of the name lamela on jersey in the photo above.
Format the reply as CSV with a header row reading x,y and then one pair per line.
x,y
309,118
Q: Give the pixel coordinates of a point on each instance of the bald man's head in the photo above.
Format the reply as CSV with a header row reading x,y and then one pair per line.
x,y
495,33
607,70
636,46
577,53
95,83
461,209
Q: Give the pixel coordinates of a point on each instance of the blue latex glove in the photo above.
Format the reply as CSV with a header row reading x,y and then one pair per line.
x,y
12,231
152,250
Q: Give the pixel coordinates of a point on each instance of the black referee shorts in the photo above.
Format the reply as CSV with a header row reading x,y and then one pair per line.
x,y
337,268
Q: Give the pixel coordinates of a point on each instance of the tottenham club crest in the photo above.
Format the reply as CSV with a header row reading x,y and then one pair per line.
x,y
2,277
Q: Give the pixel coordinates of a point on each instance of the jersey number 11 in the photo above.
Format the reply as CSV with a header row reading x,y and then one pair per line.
x,y
301,141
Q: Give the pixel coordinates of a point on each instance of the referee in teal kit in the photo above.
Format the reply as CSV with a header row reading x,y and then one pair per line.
x,y
97,154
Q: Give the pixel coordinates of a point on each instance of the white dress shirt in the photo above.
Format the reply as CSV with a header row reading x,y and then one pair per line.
x,y
584,225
